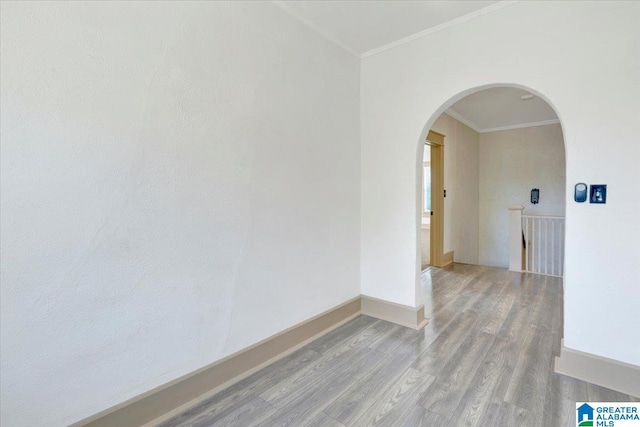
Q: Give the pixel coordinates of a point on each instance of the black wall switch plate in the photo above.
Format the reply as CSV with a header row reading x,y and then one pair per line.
x,y
598,193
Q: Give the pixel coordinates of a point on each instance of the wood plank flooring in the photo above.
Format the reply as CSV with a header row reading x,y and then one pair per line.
x,y
485,359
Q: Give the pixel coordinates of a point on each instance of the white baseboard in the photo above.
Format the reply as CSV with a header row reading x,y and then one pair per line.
x,y
172,398
609,373
168,400
411,317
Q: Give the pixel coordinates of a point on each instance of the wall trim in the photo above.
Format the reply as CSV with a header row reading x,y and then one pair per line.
x,y
436,138
168,400
453,113
522,125
447,259
326,34
171,398
456,21
602,371
404,315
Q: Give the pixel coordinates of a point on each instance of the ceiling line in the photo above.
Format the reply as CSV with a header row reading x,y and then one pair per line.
x,y
291,11
453,113
459,117
459,20
522,125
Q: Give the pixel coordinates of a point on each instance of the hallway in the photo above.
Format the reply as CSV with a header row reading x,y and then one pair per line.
x,y
485,358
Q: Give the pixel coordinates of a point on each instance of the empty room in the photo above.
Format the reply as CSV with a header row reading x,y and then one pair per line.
x,y
319,213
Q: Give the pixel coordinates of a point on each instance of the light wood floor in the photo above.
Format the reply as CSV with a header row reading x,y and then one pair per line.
x,y
485,359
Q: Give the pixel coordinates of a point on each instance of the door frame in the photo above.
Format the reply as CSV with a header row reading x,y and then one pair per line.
x,y
435,141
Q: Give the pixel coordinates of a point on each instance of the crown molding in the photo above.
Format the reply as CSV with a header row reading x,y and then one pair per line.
x,y
459,117
453,113
459,20
294,13
522,125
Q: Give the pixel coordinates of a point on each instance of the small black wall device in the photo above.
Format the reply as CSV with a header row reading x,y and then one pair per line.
x,y
598,193
580,192
535,196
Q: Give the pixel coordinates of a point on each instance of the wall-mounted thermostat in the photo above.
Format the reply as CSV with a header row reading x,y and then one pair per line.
x,y
598,193
535,196
580,192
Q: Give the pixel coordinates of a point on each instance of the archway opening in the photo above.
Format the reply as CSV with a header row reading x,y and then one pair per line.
x,y
503,146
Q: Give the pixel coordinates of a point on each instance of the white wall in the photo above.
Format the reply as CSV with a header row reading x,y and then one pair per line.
x,y
461,175
512,162
179,181
583,56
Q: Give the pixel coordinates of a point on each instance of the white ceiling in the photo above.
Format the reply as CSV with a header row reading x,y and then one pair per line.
x,y
368,27
502,108
364,26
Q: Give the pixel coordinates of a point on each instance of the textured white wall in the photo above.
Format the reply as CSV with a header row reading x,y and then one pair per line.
x,y
179,181
461,182
512,162
584,58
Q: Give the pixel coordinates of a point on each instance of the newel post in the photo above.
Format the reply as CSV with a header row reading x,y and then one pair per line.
x,y
515,237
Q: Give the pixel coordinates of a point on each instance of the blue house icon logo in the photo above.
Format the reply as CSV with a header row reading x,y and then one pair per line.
x,y
585,416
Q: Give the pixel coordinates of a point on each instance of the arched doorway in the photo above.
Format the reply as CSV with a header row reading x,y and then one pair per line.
x,y
494,303
499,186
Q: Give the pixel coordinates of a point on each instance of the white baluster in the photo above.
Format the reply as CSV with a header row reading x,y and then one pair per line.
x,y
515,237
